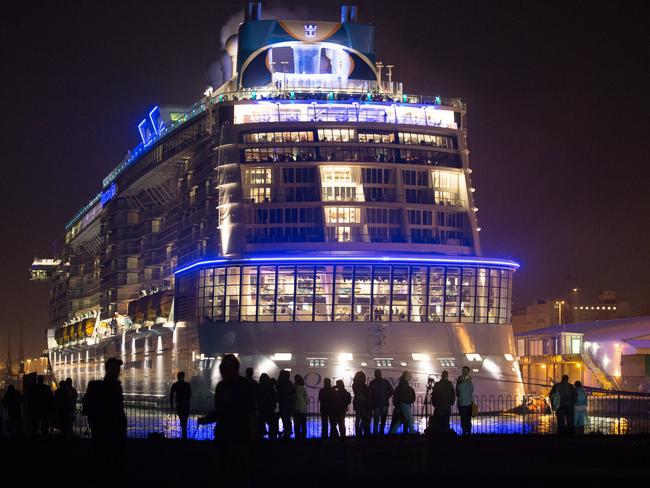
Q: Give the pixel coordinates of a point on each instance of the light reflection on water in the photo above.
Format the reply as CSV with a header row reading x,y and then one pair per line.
x,y
143,421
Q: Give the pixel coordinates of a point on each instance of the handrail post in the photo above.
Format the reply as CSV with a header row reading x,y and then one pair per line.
x,y
618,413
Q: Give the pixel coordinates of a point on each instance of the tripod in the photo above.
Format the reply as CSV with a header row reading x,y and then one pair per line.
x,y
427,395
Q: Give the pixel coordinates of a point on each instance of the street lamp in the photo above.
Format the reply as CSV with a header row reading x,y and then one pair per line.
x,y
558,305
575,304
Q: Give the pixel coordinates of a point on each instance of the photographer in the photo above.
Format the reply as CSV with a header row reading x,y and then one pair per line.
x,y
443,398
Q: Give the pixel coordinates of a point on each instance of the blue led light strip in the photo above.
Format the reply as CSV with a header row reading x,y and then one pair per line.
x,y
474,261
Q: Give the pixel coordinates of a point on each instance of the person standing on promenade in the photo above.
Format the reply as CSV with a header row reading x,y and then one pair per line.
x,y
443,398
563,395
63,410
285,401
361,405
328,408
403,400
465,395
267,400
300,407
580,408
13,402
103,404
181,392
343,400
39,404
234,414
380,392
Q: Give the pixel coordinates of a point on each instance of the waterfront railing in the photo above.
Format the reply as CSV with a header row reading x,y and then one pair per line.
x,y
608,413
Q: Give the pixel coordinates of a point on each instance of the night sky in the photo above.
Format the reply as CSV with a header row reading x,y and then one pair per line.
x,y
558,122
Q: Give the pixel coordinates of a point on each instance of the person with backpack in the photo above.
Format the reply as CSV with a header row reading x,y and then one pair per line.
x,y
344,399
380,391
361,405
300,407
443,398
580,408
403,400
563,399
465,395
103,404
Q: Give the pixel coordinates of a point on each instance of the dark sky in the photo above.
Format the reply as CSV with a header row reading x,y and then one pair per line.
x,y
558,122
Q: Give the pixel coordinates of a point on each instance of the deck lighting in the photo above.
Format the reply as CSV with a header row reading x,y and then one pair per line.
x,y
418,356
282,356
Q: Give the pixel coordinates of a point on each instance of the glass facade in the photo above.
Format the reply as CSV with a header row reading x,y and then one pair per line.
x,y
353,293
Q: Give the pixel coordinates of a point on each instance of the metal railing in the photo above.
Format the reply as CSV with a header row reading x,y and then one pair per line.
x,y
608,412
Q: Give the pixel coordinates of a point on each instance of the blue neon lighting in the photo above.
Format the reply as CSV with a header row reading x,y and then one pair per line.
x,y
108,194
158,128
143,134
474,261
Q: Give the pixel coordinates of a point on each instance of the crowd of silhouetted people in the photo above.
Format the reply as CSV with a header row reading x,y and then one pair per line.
x,y
40,409
246,409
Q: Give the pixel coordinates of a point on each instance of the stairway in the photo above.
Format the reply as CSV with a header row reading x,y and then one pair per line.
x,y
604,379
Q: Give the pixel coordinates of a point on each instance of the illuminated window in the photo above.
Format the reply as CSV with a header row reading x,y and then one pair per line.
x,y
342,215
258,176
384,362
341,184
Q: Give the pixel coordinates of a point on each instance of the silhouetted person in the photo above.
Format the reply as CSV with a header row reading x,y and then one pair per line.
x,y
380,392
580,408
74,396
300,407
180,396
361,405
73,392
12,401
234,414
40,403
285,401
343,400
328,409
267,399
63,410
565,411
103,404
443,398
403,399
465,396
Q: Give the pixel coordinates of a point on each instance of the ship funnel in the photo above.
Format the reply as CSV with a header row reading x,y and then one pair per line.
x,y
253,11
348,14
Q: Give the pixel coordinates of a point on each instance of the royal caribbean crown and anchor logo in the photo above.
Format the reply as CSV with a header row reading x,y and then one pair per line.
x,y
310,30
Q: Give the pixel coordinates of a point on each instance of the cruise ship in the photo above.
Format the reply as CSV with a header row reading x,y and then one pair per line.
x,y
306,213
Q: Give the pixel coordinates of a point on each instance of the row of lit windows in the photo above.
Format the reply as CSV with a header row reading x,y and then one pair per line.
x,y
291,136
264,216
351,215
352,154
366,293
349,135
425,140
350,183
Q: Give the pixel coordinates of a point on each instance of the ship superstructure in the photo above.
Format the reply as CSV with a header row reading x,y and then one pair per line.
x,y
305,214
